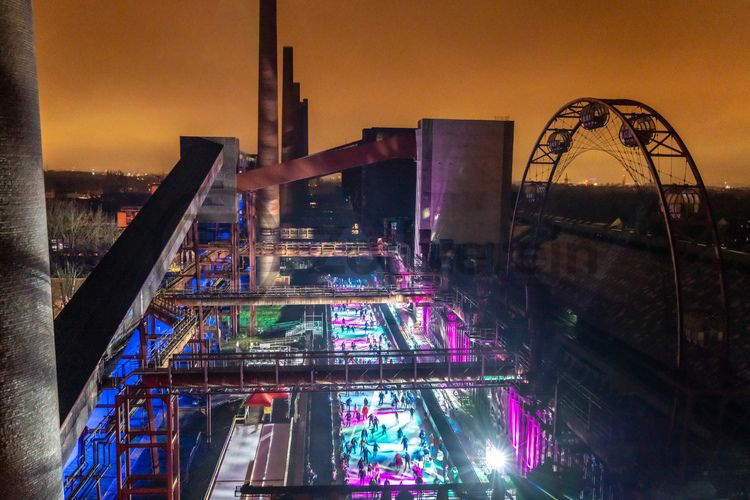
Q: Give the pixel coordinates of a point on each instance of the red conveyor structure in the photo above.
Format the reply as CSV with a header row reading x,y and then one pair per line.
x,y
357,154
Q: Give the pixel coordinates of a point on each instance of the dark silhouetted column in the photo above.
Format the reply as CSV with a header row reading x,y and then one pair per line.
x,y
293,134
267,199
29,418
289,104
535,314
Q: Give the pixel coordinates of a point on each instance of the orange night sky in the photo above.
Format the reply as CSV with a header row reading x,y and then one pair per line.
x,y
121,80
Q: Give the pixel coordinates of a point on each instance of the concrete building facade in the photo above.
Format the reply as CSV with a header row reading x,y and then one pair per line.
x,y
463,184
222,203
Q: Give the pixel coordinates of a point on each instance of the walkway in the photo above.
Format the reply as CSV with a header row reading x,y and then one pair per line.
x,y
273,450
237,461
292,295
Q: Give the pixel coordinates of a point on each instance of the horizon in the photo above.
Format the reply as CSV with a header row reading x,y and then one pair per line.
x,y
516,182
120,82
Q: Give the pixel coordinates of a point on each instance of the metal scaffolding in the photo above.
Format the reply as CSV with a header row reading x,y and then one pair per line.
x,y
138,429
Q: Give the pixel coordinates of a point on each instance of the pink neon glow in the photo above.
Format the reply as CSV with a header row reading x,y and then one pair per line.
x,y
453,336
465,343
525,433
426,320
457,339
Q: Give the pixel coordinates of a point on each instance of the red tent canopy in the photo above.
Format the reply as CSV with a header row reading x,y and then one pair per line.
x,y
264,398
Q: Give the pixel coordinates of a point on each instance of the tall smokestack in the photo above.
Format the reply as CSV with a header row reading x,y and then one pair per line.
x,y
288,104
29,417
288,111
268,139
293,133
301,135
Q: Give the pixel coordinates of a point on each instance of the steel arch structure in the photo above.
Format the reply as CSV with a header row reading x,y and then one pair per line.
x,y
653,154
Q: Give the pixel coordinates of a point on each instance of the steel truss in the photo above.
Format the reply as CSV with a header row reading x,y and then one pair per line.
x,y
300,295
653,154
332,371
323,249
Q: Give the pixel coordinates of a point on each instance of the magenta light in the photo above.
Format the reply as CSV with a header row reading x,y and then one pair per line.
x,y
453,336
525,433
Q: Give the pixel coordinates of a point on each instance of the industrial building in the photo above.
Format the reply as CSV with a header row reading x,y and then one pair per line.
x,y
500,350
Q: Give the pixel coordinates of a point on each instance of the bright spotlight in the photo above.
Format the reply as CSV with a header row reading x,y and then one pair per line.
x,y
496,458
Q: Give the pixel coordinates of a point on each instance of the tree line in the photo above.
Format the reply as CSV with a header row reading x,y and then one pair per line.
x,y
79,236
80,228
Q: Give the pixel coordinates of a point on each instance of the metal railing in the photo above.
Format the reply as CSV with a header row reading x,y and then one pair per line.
x,y
463,298
579,402
480,333
160,305
291,292
180,271
171,342
298,331
379,357
325,249
332,370
421,491
297,233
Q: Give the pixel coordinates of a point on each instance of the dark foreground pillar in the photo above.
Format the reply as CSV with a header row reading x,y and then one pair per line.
x,y
29,418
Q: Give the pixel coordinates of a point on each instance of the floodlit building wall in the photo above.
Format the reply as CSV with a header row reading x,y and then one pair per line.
x,y
463,182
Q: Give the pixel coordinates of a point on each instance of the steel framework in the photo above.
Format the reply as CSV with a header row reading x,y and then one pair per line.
x,y
133,432
300,295
653,154
331,371
357,154
314,248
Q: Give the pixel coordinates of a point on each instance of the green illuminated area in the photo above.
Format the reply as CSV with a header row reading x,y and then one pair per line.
x,y
265,317
267,327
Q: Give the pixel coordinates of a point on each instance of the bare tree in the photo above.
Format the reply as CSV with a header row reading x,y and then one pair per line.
x,y
81,228
104,231
66,221
67,275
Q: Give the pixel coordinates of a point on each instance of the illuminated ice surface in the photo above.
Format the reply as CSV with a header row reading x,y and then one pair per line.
x,y
358,338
